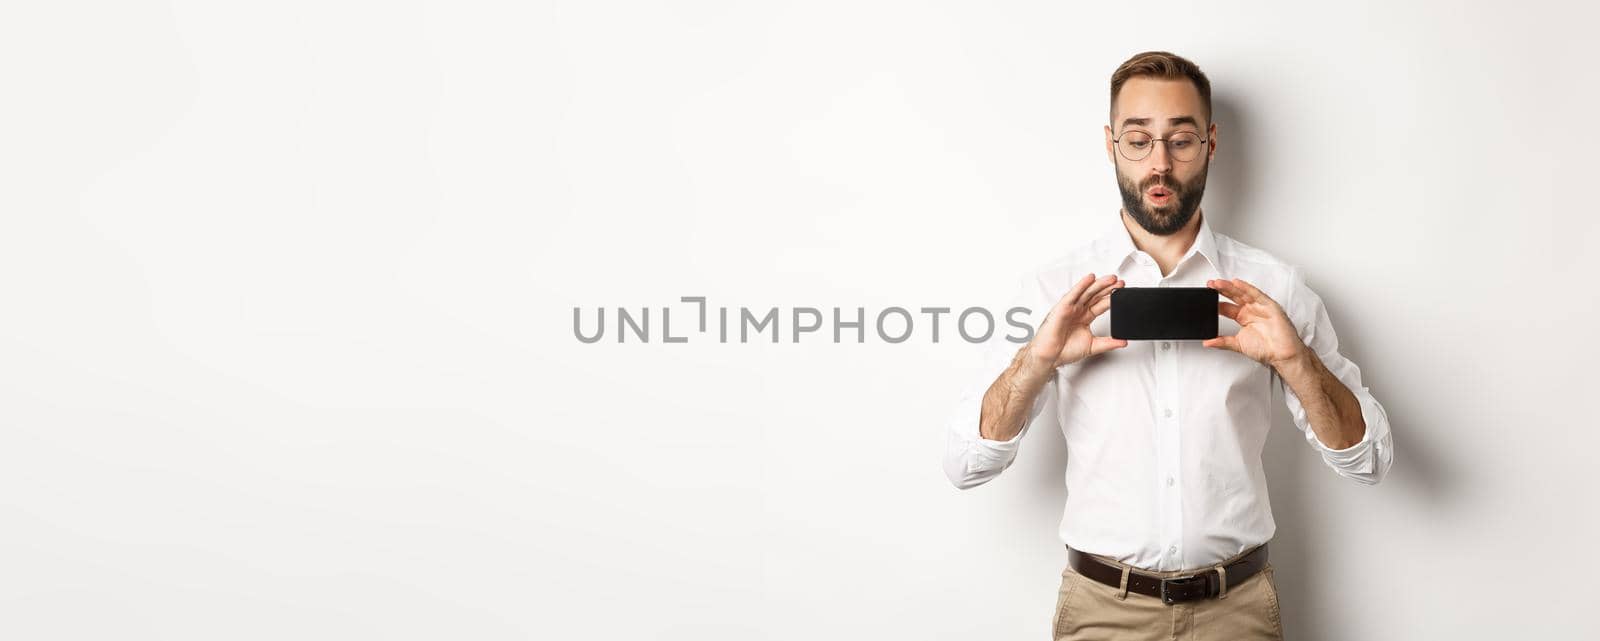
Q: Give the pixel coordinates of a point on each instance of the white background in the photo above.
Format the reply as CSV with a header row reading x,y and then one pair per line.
x,y
288,346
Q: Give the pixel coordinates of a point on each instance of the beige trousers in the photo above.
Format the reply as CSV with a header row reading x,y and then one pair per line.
x,y
1087,609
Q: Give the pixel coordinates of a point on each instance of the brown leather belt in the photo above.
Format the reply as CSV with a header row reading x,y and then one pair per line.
x,y
1205,584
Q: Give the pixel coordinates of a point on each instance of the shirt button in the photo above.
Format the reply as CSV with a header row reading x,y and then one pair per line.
x,y
1173,550
1166,346
1169,481
1168,412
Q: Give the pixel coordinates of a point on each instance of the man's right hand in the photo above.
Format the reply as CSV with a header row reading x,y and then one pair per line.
x,y
1064,337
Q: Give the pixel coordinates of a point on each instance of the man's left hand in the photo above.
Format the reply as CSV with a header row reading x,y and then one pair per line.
x,y
1265,333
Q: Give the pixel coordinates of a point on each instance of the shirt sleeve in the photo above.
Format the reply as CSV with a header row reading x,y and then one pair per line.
x,y
971,460
1367,461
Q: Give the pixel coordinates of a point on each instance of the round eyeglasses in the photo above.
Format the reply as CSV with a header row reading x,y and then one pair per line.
x,y
1136,145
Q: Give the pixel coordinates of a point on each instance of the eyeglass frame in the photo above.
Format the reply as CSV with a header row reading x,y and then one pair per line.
x,y
1117,142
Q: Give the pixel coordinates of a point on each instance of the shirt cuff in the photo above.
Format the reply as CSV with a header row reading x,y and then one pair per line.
x,y
1356,458
991,453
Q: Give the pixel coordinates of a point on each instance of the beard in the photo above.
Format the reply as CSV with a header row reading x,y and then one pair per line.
x,y
1163,220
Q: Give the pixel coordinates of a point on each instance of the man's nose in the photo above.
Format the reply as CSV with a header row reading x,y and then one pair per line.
x,y
1160,160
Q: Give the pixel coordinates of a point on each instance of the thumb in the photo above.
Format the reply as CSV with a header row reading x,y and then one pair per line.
x,y
1222,342
1103,344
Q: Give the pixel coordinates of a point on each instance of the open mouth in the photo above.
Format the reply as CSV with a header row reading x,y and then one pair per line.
x,y
1159,195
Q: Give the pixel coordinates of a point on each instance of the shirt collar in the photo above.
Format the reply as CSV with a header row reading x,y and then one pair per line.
x,y
1116,246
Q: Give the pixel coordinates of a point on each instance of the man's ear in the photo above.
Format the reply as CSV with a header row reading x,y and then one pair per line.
x,y
1211,143
1109,145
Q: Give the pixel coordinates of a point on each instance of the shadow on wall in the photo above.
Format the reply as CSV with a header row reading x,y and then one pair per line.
x,y
1301,547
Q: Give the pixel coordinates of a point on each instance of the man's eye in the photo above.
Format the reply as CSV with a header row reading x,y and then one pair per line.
x,y
1138,144
1181,143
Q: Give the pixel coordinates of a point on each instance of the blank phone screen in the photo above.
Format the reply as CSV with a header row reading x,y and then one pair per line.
x,y
1164,313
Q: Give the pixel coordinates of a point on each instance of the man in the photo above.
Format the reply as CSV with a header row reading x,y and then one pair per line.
x,y
1167,518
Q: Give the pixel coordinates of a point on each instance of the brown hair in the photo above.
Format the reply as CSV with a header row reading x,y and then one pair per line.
x,y
1160,64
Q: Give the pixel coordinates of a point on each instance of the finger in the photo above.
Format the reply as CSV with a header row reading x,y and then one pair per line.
x,y
1222,342
1224,287
1228,309
1103,344
1059,310
1256,295
1250,293
1094,290
1102,302
1093,298
1077,290
1101,305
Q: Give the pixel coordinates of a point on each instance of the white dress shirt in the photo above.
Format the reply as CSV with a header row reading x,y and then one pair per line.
x,y
1164,438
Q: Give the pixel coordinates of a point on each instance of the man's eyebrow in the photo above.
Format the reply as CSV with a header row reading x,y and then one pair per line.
x,y
1145,122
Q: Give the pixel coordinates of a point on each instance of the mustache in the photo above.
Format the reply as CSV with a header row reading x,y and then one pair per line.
x,y
1165,181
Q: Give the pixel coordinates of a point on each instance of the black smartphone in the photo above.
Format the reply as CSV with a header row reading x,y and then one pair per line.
x,y
1164,313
